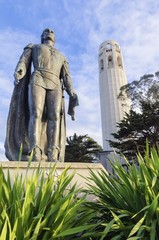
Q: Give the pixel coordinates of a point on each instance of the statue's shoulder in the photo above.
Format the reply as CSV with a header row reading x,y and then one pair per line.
x,y
59,54
30,45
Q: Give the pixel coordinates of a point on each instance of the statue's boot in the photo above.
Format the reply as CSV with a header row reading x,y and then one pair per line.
x,y
37,154
53,141
52,154
35,138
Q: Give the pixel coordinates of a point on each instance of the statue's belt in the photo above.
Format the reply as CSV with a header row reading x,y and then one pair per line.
x,y
44,71
49,75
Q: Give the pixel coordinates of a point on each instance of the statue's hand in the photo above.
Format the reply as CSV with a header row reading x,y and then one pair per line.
x,y
73,94
18,74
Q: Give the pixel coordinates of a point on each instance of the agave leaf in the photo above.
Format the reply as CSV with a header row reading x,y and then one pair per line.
x,y
71,213
6,191
13,232
118,237
55,208
155,158
20,152
3,234
37,229
154,181
153,230
137,225
29,162
107,229
8,179
74,230
133,238
152,209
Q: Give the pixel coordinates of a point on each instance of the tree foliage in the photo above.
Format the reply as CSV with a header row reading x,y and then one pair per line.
x,y
81,149
146,89
142,123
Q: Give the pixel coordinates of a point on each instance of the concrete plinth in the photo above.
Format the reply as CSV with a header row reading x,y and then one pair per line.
x,y
80,169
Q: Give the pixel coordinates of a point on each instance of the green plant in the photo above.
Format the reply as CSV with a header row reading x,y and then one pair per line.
x,y
128,202
81,148
42,206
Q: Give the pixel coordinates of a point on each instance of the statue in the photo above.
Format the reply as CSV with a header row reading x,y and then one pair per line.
x,y
36,117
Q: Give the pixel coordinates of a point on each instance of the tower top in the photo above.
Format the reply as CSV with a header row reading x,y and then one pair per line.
x,y
110,55
109,45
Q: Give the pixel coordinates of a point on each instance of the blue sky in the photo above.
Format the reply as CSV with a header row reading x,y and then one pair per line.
x,y
80,27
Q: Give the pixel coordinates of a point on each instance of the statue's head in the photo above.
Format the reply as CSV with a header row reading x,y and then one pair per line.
x,y
47,34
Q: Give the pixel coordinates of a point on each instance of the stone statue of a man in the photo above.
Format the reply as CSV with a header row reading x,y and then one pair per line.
x,y
37,105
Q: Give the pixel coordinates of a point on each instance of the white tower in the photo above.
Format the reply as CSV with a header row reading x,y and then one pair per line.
x,y
111,77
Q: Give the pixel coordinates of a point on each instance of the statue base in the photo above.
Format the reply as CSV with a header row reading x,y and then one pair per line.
x,y
81,170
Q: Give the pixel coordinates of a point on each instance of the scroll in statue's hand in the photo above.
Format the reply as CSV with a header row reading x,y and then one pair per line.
x,y
73,102
72,94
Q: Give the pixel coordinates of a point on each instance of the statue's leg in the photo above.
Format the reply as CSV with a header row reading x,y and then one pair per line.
x,y
36,105
54,101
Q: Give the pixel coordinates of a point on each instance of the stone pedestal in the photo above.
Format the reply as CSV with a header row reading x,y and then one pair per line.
x,y
81,169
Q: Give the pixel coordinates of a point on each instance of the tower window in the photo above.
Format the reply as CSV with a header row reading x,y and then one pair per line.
x,y
119,62
101,64
117,48
110,61
108,47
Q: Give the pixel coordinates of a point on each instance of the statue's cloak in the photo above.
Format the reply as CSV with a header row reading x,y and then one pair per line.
x,y
18,121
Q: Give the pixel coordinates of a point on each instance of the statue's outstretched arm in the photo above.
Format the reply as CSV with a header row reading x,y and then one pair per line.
x,y
23,63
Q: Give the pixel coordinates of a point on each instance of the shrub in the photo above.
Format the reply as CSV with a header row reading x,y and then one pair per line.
x,y
41,206
128,202
44,206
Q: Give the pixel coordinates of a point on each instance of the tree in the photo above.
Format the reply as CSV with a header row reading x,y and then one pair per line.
x,y
146,89
142,123
81,149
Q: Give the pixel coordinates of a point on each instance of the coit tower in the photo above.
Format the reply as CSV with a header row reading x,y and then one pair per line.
x,y
111,77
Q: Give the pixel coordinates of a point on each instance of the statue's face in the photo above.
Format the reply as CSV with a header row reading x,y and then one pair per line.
x,y
47,34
